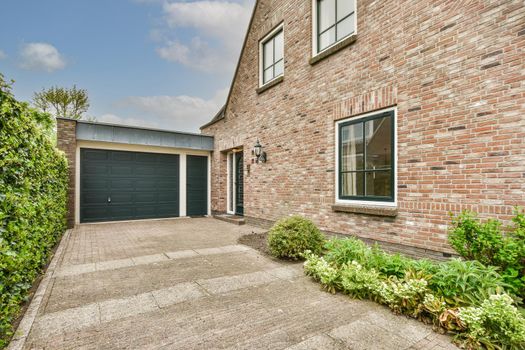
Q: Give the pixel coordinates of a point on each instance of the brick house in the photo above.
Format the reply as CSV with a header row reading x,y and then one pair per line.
x,y
378,118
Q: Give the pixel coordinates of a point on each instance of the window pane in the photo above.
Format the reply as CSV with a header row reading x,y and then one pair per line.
x,y
279,46
352,184
268,53
352,147
326,15
345,27
279,68
378,134
378,183
326,39
344,8
268,74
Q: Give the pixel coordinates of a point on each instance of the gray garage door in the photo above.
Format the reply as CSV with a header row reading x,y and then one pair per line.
x,y
117,185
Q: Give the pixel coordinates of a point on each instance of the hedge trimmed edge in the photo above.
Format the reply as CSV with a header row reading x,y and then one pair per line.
x,y
33,192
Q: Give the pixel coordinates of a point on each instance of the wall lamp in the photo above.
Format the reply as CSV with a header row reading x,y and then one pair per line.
x,y
259,153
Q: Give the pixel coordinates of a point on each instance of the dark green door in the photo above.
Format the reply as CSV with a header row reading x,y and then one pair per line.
x,y
239,184
196,185
118,185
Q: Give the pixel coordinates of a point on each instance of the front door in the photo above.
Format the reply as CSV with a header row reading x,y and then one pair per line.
x,y
239,183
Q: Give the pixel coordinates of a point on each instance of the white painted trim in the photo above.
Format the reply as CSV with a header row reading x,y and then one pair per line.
x,y
229,189
182,184
337,165
314,29
267,37
148,149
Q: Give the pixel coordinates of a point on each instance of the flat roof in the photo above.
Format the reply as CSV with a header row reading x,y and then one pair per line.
x,y
135,135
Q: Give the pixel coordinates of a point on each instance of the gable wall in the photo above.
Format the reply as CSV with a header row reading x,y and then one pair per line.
x,y
453,69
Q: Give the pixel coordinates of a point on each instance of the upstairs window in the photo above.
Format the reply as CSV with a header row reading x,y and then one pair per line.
x,y
335,20
272,56
366,158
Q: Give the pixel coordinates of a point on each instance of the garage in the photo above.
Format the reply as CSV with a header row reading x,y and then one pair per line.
x,y
118,185
119,172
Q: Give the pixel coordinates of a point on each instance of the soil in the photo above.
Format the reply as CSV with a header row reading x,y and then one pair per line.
x,y
257,241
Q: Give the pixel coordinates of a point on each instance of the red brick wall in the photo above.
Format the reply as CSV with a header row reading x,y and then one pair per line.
x,y
455,70
67,142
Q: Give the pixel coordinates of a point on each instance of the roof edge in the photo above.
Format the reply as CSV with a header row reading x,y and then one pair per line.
x,y
213,121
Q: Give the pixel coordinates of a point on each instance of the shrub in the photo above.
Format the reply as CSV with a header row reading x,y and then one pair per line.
x,y
489,244
359,282
495,321
466,282
321,271
33,182
290,237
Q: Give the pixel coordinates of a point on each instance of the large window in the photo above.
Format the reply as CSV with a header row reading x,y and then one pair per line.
x,y
335,21
366,158
272,55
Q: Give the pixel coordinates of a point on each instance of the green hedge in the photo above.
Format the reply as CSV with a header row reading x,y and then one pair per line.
x,y
33,190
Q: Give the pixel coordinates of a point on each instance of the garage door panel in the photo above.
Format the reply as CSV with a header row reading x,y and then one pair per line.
x,y
197,185
141,185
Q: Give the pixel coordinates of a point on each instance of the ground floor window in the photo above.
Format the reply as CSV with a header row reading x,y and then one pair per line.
x,y
366,158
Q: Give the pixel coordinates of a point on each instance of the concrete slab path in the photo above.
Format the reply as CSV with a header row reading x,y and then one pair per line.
x,y
187,284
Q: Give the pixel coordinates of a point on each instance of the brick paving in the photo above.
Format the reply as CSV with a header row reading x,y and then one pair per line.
x,y
186,284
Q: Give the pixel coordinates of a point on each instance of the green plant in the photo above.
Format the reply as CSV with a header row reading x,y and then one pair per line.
x,y
359,282
489,244
466,282
496,322
290,237
320,270
33,183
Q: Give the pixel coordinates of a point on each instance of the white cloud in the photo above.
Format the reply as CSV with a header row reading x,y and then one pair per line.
x,y
182,113
218,32
197,55
2,55
41,56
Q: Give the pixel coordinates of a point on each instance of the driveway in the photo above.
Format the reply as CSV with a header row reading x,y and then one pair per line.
x,y
187,284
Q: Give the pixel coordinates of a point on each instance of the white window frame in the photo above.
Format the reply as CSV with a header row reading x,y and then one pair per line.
x,y
263,41
337,165
314,30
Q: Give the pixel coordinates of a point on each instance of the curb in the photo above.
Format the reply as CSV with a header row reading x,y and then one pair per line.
x,y
22,332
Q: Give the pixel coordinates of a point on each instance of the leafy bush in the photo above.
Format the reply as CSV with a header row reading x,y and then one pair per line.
x,y
463,297
495,321
33,182
466,282
490,245
290,237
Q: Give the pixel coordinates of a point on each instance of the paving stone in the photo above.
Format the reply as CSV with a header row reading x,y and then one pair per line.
x,y
149,259
182,254
234,248
67,321
405,327
322,341
176,294
229,283
209,251
114,264
362,335
120,308
70,270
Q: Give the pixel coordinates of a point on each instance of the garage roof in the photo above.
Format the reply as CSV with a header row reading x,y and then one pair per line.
x,y
95,131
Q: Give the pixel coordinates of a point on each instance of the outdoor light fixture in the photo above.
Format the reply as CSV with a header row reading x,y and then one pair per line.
x,y
259,153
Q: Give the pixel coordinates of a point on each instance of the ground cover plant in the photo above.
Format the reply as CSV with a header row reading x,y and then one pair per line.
x,y
473,300
33,182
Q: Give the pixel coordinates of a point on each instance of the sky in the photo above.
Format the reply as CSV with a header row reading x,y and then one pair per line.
x,y
156,63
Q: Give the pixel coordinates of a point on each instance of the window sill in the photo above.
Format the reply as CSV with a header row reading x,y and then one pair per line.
x,y
270,84
333,49
365,209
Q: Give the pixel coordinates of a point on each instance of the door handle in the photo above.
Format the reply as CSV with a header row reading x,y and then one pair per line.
x,y
109,199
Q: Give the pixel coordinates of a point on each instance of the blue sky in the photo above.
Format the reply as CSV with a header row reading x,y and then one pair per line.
x,y
164,64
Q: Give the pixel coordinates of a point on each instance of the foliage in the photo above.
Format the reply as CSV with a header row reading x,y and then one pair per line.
x,y
445,294
490,245
466,282
290,237
33,182
495,321
62,102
